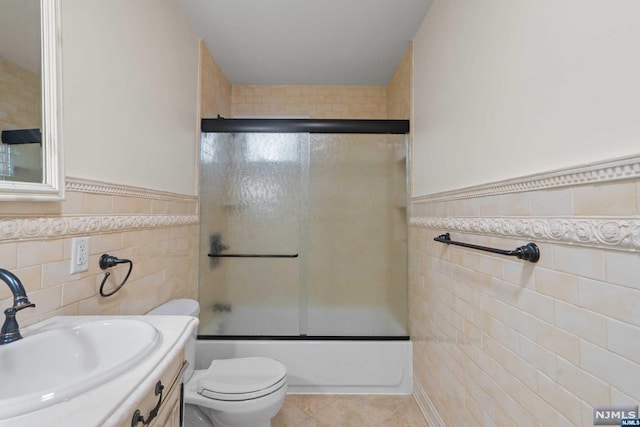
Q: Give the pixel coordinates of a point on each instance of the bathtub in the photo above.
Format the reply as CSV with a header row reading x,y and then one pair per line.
x,y
332,366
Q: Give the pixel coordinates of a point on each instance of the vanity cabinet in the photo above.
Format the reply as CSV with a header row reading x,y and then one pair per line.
x,y
167,404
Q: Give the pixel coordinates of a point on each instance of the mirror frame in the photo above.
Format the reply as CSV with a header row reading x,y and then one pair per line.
x,y
53,182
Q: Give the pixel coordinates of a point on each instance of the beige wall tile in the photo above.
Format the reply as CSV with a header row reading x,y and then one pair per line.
x,y
558,285
46,300
517,204
584,385
579,261
559,399
619,398
108,242
624,340
623,268
619,373
605,199
554,337
539,357
21,99
399,89
78,290
558,341
355,102
97,204
73,203
614,301
215,89
39,252
580,322
44,265
554,202
8,255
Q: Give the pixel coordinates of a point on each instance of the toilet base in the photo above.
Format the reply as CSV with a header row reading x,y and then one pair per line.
x,y
194,416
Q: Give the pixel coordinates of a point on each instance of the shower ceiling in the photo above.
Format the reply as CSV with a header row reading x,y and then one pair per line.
x,y
306,42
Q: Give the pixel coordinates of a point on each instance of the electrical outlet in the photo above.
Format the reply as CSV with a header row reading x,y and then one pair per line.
x,y
79,254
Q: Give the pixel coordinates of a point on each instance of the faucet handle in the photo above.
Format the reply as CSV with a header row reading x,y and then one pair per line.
x,y
22,302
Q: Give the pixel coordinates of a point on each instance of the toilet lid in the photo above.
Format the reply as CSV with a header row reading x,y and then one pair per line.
x,y
242,378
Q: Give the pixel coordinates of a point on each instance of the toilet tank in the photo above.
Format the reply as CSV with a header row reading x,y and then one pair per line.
x,y
182,307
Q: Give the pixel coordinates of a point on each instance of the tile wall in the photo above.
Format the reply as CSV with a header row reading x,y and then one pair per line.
x,y
20,94
399,88
215,89
498,341
158,231
336,102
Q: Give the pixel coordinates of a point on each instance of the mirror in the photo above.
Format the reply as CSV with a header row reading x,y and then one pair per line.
x,y
31,165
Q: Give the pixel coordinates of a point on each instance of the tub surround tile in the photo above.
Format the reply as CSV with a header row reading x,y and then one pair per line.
x,y
353,102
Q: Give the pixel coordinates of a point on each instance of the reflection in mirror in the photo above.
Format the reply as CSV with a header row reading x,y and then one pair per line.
x,y
30,160
20,93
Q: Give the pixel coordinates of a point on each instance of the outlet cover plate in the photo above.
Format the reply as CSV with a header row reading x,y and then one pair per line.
x,y
79,254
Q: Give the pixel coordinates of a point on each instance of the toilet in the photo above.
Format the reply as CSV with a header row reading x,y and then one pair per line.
x,y
241,392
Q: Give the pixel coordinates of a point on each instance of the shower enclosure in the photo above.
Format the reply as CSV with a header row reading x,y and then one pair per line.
x,y
303,229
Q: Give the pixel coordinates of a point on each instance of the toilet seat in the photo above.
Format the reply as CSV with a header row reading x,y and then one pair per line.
x,y
241,379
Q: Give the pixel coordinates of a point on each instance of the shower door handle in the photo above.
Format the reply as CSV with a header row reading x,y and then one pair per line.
x,y
252,255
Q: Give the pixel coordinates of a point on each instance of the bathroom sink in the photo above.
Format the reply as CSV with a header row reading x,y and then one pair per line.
x,y
55,365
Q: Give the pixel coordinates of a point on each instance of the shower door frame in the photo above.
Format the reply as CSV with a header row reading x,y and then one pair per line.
x,y
309,126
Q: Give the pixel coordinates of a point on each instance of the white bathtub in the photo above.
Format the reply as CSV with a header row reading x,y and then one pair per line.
x,y
318,366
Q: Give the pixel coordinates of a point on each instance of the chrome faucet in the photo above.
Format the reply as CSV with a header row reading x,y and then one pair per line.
x,y
10,331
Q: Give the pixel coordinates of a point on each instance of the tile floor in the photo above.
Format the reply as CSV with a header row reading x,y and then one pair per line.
x,y
321,410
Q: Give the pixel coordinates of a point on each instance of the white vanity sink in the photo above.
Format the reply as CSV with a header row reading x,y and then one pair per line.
x,y
53,365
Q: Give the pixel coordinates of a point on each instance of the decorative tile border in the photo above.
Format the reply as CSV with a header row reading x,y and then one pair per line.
x,y
611,233
58,227
18,227
98,187
612,170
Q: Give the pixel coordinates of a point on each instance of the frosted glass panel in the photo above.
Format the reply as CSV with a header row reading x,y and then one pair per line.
x,y
356,272
251,204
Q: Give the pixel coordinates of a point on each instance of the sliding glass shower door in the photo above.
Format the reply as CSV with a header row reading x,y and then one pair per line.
x,y
303,235
357,235
251,217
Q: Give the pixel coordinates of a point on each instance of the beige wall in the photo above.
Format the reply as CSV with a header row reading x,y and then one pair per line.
x,y
503,90
130,93
508,81
321,102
